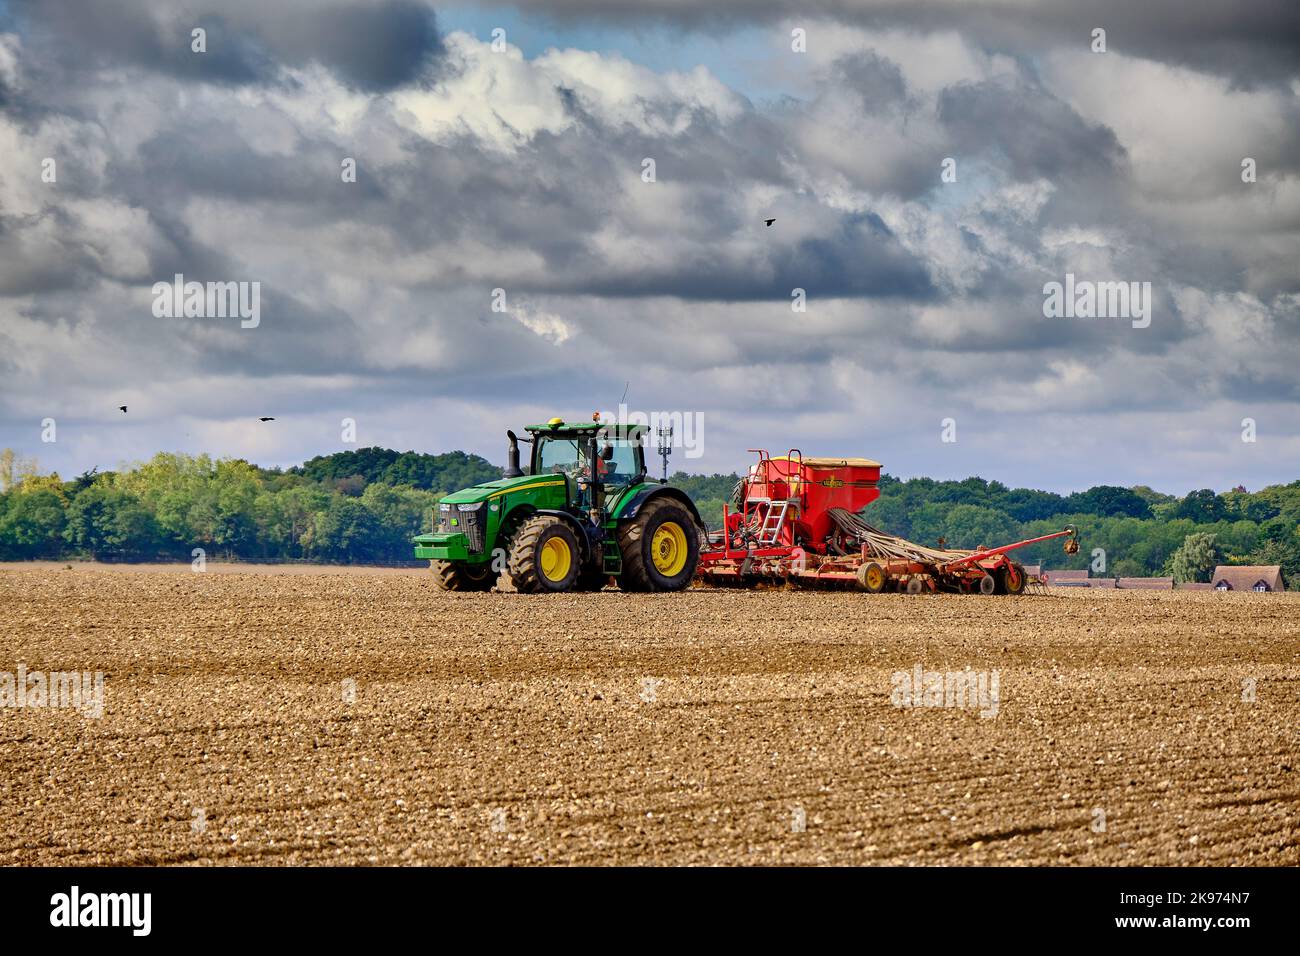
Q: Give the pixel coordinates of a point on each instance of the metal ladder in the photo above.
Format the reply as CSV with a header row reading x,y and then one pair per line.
x,y
769,533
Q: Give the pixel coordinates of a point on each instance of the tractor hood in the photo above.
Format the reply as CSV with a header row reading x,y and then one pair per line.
x,y
494,489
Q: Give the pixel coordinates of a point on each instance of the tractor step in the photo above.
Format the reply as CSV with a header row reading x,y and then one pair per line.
x,y
611,557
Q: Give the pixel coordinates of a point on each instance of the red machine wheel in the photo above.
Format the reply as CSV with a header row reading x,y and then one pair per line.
x,y
1012,579
872,577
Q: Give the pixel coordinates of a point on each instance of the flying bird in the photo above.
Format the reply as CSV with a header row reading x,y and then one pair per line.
x,y
769,222
122,409
266,419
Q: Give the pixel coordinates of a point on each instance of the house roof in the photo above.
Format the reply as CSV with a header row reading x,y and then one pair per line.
x,y
1060,577
1244,577
1195,586
1146,584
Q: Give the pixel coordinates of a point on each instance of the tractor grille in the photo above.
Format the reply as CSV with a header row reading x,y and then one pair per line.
x,y
469,522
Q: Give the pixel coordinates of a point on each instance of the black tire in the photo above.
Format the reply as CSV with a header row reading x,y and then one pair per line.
x,y
529,552
635,541
1012,580
915,586
987,585
449,576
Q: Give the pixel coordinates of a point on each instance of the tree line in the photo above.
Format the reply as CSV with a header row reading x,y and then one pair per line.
x,y
364,506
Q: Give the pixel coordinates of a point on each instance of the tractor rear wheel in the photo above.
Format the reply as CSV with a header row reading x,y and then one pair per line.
x,y
660,546
449,576
544,556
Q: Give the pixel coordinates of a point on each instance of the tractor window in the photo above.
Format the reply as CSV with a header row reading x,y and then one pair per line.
x,y
617,465
621,465
557,456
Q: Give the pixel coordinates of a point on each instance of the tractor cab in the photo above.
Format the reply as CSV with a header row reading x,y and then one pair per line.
x,y
614,454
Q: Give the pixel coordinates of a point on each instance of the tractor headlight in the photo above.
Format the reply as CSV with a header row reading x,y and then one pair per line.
x,y
473,507
442,507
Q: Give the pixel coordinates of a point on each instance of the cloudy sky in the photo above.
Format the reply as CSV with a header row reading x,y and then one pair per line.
x,y
520,166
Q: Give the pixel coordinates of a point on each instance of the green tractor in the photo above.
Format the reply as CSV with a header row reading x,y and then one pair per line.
x,y
557,529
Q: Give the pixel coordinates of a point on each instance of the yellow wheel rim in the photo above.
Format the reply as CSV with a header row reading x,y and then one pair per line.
x,y
875,578
668,549
556,560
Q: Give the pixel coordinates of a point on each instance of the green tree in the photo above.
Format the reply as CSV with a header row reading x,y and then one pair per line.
x,y
890,514
298,509
972,526
1279,543
1200,506
349,531
1151,496
1127,568
1196,558
1108,501
709,492
108,521
928,524
1024,504
446,473
33,522
401,513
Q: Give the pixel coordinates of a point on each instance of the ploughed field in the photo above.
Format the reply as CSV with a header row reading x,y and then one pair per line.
x,y
255,716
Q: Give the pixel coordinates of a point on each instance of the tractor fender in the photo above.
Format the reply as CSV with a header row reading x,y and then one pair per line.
x,y
654,494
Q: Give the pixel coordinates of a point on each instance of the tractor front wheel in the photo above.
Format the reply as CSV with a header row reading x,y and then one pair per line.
x,y
449,576
660,546
544,556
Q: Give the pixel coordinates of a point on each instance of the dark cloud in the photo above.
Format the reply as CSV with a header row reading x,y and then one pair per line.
x,y
1051,140
1251,44
38,256
373,46
370,45
877,82
860,259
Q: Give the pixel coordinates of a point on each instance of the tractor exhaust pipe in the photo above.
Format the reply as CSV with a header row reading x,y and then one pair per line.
x,y
512,457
